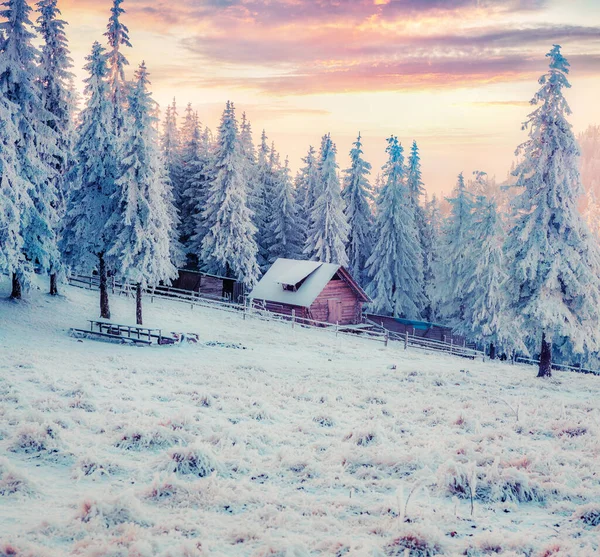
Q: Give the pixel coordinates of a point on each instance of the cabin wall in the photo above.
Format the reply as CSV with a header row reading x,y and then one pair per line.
x,y
282,309
351,305
435,332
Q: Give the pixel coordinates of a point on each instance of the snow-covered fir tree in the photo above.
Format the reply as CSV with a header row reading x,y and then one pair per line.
x,y
455,263
286,239
13,192
261,202
191,141
356,195
92,201
487,317
554,262
229,247
396,264
306,184
196,194
328,228
141,224
56,82
431,254
117,35
416,192
35,143
171,148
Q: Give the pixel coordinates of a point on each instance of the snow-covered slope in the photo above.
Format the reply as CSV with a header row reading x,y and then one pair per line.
x,y
296,443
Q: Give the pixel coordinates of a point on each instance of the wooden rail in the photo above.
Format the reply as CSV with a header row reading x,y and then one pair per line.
x,y
578,368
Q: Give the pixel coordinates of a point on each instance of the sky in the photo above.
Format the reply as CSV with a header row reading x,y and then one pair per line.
x,y
454,75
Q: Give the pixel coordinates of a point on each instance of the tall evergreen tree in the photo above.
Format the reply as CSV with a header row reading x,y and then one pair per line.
x,y
328,229
306,183
92,202
487,317
431,255
142,222
196,193
13,192
35,142
285,227
416,192
261,202
456,261
56,81
229,247
171,148
118,36
396,265
554,263
191,140
356,195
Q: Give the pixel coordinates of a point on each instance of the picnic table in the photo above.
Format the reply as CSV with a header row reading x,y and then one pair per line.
x,y
132,334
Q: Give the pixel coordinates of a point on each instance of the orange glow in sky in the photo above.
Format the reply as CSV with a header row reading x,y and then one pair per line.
x,y
456,75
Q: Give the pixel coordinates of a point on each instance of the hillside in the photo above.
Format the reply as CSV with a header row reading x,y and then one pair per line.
x,y
280,442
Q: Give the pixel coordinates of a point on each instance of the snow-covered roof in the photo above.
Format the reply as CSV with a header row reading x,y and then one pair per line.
x,y
313,276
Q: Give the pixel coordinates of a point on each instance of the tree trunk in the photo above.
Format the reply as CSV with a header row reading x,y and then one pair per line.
x,y
16,287
53,285
492,351
545,369
104,307
138,304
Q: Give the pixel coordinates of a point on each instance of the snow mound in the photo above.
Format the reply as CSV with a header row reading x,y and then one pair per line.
x,y
12,482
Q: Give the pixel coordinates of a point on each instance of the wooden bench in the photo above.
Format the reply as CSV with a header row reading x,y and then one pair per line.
x,y
126,331
120,338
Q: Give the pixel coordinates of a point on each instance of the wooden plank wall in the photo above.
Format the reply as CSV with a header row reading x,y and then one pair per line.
x,y
338,290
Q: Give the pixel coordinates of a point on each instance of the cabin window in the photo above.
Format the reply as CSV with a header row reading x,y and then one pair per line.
x,y
290,287
336,277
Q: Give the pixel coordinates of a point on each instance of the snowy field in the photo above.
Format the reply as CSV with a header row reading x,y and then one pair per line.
x,y
297,444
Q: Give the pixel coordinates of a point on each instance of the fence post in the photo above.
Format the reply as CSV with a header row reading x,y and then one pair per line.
x,y
337,323
451,344
293,318
113,284
90,283
387,337
245,308
405,340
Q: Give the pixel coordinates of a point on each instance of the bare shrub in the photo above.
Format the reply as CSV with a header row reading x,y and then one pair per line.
x,y
416,542
194,461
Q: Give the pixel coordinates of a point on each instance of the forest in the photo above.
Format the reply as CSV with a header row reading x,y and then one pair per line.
x,y
107,184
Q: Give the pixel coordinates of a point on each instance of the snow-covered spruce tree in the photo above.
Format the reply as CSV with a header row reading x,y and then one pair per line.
x,y
416,191
190,152
229,247
396,264
260,200
285,226
56,81
196,194
141,224
306,183
328,228
13,192
118,36
171,148
35,143
431,254
487,317
356,195
554,262
455,265
86,238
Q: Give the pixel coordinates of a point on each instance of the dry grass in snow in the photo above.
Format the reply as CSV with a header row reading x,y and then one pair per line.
x,y
302,444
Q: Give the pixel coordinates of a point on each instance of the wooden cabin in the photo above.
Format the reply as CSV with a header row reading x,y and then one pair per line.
x,y
212,286
323,292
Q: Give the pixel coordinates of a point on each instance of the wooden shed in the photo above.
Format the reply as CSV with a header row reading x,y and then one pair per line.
x,y
315,291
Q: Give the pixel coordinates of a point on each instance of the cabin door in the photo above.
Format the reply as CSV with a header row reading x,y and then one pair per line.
x,y
335,311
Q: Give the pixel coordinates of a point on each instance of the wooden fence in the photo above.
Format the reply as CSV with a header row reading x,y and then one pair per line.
x,y
578,368
374,333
